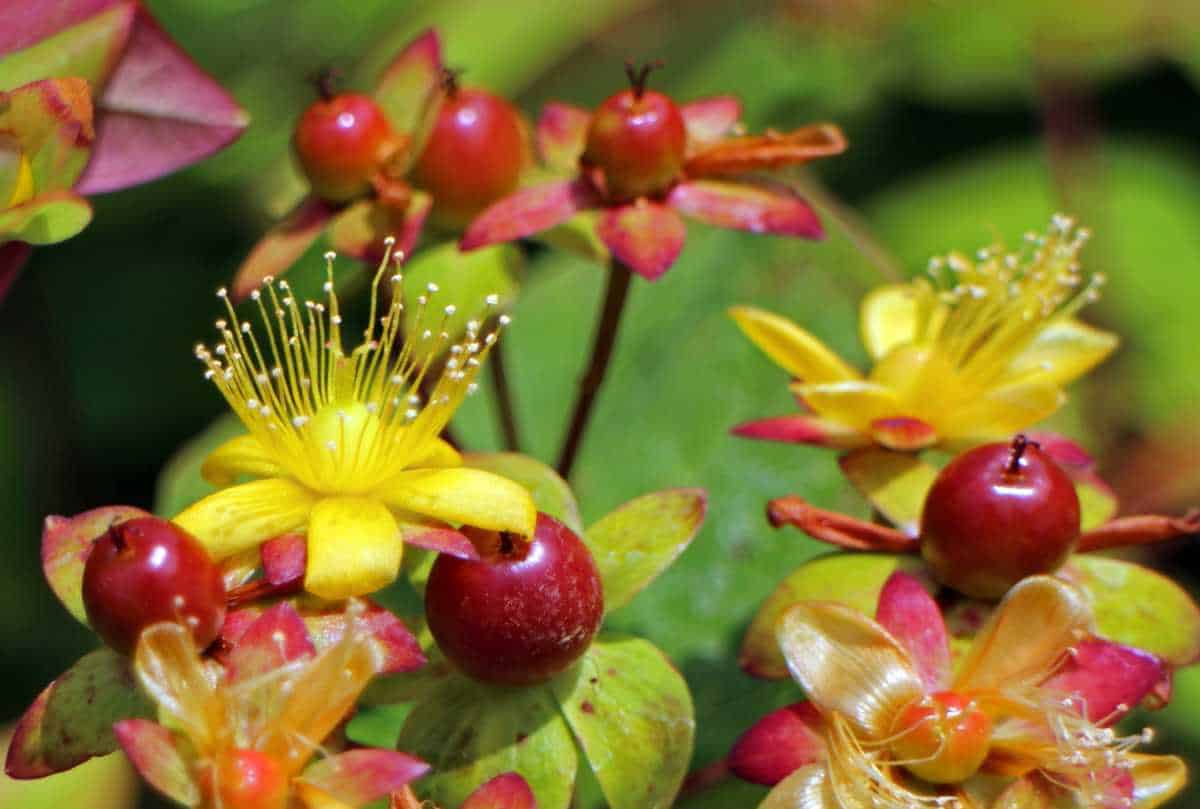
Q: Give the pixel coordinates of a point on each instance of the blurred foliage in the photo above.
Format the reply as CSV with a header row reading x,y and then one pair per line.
x,y
956,116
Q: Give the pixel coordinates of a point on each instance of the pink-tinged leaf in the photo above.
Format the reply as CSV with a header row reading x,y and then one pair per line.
x,y
766,152
276,638
909,613
801,429
410,90
71,721
529,211
1068,454
52,121
561,136
361,776
359,230
438,539
903,434
158,112
400,648
281,247
777,745
13,256
506,791
645,236
758,208
1107,679
152,750
66,545
284,559
30,21
708,120
87,50
46,219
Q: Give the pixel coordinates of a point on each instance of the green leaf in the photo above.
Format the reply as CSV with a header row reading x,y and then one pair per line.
x,y
854,579
632,713
89,50
72,720
378,725
638,541
464,281
46,219
1097,503
471,732
180,483
550,493
1138,607
66,544
895,483
103,783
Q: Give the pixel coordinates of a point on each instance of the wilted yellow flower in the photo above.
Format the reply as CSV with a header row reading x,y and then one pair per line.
x,y
979,350
346,446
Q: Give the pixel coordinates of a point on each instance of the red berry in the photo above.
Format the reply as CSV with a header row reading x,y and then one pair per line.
x,y
942,738
148,570
636,139
474,155
996,514
524,612
248,779
340,142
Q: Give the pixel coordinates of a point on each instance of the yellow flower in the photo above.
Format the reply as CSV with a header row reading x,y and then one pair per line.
x,y
345,447
979,350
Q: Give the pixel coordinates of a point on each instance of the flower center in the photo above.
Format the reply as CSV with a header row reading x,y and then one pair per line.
x,y
942,738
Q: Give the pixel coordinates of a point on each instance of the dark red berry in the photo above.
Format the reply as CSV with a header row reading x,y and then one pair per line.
x,y
636,141
996,514
474,154
148,570
340,142
249,779
524,612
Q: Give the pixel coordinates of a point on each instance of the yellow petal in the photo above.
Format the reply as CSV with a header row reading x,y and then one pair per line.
x,y
1024,793
806,788
1002,412
791,347
1063,351
436,454
853,402
170,670
354,548
1027,636
241,517
888,318
316,798
848,664
1156,779
462,496
244,455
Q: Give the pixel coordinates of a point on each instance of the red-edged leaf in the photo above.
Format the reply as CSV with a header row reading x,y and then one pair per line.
x,y
645,236
1107,679
71,721
29,21
561,136
66,545
284,559
777,745
281,247
758,208
801,429
276,638
152,750
766,152
903,434
410,90
909,613
52,121
359,230
1066,452
158,112
708,120
87,50
506,791
401,650
529,211
13,256
438,539
361,776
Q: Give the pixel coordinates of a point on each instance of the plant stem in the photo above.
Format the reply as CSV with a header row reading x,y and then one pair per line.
x,y
615,294
504,400
703,779
851,224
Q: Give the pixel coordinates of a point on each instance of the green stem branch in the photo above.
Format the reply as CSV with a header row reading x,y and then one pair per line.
x,y
504,400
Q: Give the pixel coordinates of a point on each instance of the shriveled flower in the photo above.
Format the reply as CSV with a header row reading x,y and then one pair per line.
x,y
979,350
345,444
642,227
1024,714
242,736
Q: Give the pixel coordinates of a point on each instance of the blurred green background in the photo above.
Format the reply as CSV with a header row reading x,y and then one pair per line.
x,y
967,121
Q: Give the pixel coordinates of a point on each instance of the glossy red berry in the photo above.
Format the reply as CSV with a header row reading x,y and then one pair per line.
x,y
148,570
474,154
249,779
524,612
943,738
996,514
636,140
340,142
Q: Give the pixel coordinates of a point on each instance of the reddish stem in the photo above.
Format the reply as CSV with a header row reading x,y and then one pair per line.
x,y
1143,529
504,400
838,529
703,779
639,75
